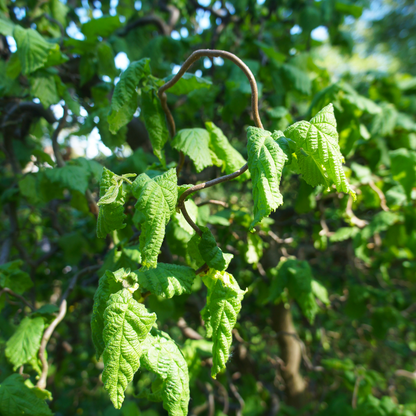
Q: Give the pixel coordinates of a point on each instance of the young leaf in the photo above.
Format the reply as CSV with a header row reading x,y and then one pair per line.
x,y
162,356
32,49
211,253
195,144
17,399
107,286
126,325
223,305
156,201
265,162
318,152
154,119
111,194
110,216
124,101
166,280
25,342
231,158
188,83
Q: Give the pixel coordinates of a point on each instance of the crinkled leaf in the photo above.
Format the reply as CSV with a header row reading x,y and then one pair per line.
x,y
126,325
25,342
110,216
32,49
317,149
154,119
265,162
124,101
166,280
211,253
230,158
107,286
17,399
188,83
156,202
162,356
110,196
195,144
221,310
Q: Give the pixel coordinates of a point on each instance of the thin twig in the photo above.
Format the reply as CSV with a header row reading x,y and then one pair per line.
x,y
213,202
75,278
240,400
224,394
10,292
213,54
213,182
405,373
380,194
353,218
187,331
189,220
58,156
355,393
46,336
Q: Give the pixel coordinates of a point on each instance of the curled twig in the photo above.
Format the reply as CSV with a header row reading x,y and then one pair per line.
x,y
380,194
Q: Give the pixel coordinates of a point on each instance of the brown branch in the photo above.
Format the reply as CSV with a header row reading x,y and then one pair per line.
x,y
213,202
55,146
187,331
10,292
352,217
240,400
380,194
212,53
213,182
46,336
355,393
189,220
404,373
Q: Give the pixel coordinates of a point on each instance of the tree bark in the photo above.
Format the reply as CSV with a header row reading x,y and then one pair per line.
x,y
291,354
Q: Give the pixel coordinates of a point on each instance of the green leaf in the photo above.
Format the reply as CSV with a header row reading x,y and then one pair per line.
x,y
344,233
110,216
124,101
162,356
107,286
317,149
221,310
211,253
403,169
224,151
156,202
6,26
25,342
15,279
44,88
188,83
298,78
106,64
17,399
111,195
154,119
296,276
103,26
254,250
166,280
126,325
69,176
195,144
32,49
265,162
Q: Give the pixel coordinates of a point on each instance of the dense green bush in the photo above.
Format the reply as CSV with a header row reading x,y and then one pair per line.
x,y
233,237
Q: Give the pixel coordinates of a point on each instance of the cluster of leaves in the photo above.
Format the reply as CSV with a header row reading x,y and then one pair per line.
x,y
342,262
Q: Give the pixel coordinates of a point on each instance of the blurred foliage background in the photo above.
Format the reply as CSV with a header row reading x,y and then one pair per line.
x,y
346,291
